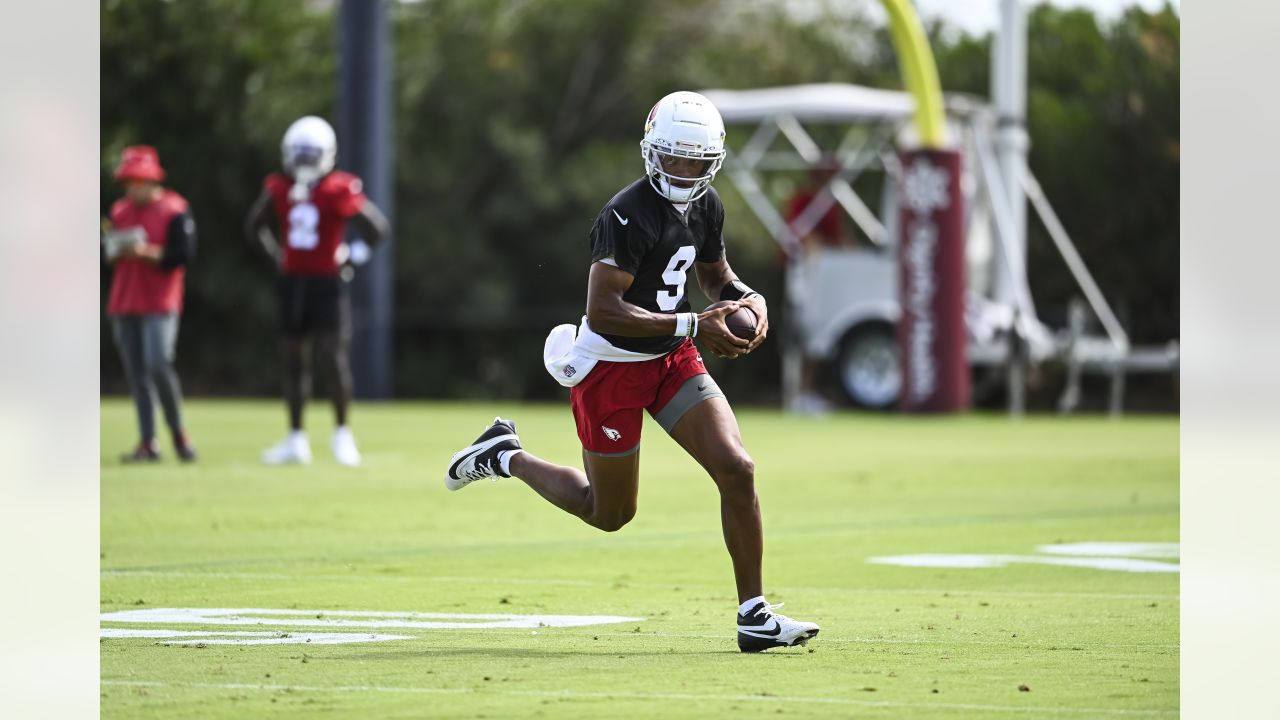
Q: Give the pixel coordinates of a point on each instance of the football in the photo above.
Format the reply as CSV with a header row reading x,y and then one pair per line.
x,y
741,322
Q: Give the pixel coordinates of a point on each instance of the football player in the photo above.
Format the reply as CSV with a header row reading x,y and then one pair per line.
x,y
634,352
312,203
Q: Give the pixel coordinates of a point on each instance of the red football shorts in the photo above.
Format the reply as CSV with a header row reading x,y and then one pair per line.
x,y
607,403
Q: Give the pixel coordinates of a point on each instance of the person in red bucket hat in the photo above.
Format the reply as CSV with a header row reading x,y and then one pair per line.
x,y
140,163
149,242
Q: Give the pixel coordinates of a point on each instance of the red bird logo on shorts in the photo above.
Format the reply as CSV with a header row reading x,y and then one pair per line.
x,y
610,433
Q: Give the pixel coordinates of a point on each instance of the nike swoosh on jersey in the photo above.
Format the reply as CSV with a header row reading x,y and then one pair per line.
x,y
621,219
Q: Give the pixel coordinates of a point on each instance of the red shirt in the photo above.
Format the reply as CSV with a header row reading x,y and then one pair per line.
x,y
827,230
311,231
137,286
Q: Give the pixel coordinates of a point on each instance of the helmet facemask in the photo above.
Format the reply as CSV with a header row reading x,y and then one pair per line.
x,y
682,125
304,164
308,153
678,188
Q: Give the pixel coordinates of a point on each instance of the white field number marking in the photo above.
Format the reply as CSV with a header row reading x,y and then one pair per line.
x,y
1118,557
334,619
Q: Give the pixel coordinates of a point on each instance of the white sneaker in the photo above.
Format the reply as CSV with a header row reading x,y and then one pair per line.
x,y
293,449
479,460
762,628
344,447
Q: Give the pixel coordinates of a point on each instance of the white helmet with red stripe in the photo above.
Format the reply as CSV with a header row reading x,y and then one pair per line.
x,y
686,125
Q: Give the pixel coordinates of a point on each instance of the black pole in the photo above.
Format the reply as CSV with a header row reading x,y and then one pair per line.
x,y
364,143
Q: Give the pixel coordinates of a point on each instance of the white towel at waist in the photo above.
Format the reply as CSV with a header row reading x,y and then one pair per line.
x,y
569,359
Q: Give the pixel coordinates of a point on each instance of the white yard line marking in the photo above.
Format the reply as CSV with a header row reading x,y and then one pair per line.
x,y
543,582
719,637
945,592
202,637
574,695
963,561
1167,551
355,618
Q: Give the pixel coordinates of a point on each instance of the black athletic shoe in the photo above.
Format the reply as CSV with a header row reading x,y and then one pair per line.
x,y
479,460
761,628
185,452
145,452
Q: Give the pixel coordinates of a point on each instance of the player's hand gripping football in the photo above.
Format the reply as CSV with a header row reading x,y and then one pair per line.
x,y
716,336
757,305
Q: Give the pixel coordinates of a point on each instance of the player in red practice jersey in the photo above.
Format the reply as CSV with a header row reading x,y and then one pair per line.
x,y
152,238
312,203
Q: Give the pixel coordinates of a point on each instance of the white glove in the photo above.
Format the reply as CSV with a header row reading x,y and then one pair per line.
x,y
360,252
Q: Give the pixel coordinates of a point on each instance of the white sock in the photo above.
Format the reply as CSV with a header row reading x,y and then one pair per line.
x,y
504,460
298,435
745,607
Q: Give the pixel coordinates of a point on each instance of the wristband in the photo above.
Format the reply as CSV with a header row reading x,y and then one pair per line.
x,y
684,325
737,290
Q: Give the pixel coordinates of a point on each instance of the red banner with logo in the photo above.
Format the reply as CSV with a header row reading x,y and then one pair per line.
x,y
931,333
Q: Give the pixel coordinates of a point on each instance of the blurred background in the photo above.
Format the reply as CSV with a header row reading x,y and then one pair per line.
x,y
513,122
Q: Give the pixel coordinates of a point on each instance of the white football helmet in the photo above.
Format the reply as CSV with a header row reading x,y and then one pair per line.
x,y
682,124
308,152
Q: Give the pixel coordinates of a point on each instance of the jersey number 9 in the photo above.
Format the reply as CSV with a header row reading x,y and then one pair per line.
x,y
674,276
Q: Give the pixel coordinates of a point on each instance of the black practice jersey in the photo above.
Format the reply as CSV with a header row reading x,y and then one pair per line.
x,y
647,237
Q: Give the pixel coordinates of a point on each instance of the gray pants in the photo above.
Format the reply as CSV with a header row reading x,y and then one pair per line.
x,y
146,344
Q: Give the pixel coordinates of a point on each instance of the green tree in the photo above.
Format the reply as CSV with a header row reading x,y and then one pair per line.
x,y
212,85
1102,113
515,121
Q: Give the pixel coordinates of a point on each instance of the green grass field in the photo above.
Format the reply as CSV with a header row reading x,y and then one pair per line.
x,y
896,642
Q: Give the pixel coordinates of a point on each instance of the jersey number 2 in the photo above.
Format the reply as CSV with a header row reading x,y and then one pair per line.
x,y
304,220
674,276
